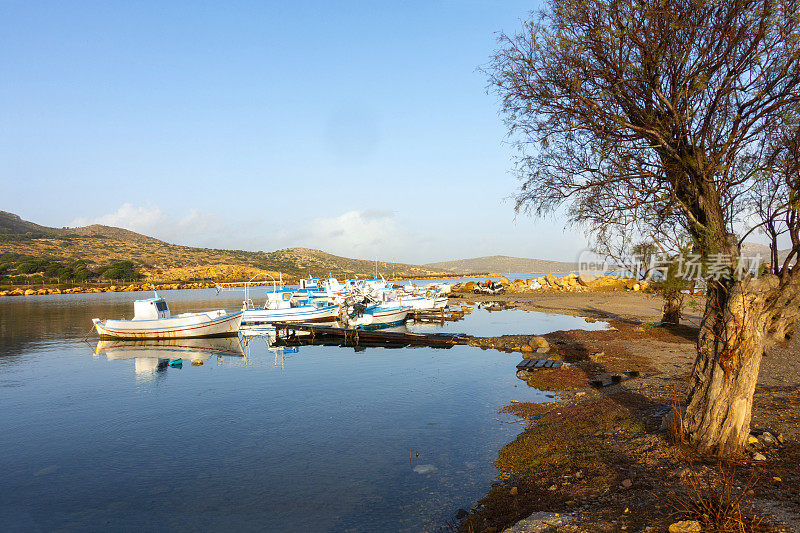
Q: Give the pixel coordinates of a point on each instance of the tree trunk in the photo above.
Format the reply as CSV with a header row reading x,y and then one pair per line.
x,y
672,310
739,323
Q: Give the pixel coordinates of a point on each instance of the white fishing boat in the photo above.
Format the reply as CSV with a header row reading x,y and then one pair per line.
x,y
152,320
282,307
366,314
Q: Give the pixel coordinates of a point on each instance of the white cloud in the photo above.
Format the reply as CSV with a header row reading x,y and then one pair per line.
x,y
151,220
363,234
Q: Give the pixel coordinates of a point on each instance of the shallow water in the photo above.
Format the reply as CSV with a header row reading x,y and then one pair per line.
x,y
485,322
323,439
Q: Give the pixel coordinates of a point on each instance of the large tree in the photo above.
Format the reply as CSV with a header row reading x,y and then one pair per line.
x,y
664,113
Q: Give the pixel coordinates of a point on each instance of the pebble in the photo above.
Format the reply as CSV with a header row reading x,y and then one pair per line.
x,y
514,491
767,438
759,457
425,469
752,440
686,526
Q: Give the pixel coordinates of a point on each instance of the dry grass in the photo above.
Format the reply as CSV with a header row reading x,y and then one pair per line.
x,y
717,501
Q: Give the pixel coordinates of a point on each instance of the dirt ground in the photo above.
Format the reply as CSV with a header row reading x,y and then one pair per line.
x,y
599,458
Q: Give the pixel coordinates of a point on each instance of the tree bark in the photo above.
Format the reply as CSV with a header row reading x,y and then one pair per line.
x,y
741,320
672,311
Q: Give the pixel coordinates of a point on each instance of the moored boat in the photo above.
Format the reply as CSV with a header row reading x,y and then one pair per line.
x,y
282,307
153,320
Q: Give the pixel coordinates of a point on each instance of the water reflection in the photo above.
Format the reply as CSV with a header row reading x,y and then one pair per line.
x,y
152,356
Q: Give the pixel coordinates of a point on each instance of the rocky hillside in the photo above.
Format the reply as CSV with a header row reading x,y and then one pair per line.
x,y
98,246
502,264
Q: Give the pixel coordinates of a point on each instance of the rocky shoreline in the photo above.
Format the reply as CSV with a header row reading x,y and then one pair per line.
x,y
549,283
111,288
603,458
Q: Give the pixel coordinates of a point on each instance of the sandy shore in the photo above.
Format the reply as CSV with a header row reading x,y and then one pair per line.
x,y
600,459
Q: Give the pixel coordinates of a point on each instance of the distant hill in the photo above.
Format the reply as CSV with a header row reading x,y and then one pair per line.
x,y
750,249
502,264
99,245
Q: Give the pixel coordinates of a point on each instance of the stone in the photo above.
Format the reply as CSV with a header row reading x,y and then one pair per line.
x,y
626,483
550,279
542,349
525,348
767,438
425,469
470,286
759,457
505,281
539,342
752,440
514,491
535,285
686,526
30,292
636,287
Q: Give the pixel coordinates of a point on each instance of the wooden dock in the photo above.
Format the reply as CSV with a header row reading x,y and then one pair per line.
x,y
319,334
537,364
438,316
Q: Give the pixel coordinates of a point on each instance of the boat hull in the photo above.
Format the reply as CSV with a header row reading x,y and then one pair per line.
x,y
382,318
190,325
304,313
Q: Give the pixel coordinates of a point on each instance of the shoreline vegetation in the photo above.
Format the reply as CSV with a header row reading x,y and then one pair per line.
x,y
608,458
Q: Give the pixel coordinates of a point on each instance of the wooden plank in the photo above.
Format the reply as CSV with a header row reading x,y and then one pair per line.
x,y
357,335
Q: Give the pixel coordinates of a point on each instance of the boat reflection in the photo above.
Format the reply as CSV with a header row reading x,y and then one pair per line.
x,y
151,356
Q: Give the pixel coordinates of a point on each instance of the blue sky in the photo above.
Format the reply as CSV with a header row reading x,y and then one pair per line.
x,y
359,128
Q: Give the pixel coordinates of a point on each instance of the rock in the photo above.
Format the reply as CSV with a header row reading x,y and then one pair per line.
x,y
470,286
425,469
686,526
636,287
550,279
539,342
626,483
767,438
542,349
514,491
759,457
752,440
525,348
530,355
30,292
535,285
505,281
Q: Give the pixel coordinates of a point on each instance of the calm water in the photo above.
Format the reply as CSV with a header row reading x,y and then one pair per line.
x,y
324,439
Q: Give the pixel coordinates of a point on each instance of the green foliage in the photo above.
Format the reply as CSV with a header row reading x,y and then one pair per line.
x,y
121,270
